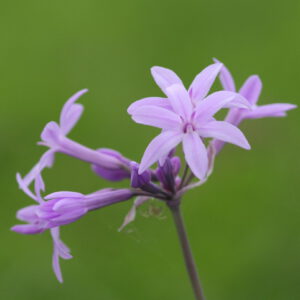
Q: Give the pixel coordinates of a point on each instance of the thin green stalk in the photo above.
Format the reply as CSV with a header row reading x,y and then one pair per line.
x,y
187,252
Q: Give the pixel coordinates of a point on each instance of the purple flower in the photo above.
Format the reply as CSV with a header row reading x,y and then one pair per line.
x,y
187,117
251,90
62,208
69,116
65,207
107,163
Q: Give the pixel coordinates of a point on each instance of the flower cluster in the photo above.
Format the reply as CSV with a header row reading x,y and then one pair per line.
x,y
184,116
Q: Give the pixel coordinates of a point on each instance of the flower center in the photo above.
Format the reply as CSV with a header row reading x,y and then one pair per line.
x,y
188,128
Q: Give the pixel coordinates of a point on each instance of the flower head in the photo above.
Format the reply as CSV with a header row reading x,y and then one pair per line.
x,y
187,117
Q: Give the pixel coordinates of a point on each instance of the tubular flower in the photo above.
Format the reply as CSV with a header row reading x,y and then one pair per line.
x,y
62,208
105,162
65,207
251,90
187,117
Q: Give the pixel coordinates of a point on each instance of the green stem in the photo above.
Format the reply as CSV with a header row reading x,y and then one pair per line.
x,y
187,252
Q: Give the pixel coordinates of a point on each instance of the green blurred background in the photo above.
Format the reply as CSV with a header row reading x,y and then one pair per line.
x,y
243,224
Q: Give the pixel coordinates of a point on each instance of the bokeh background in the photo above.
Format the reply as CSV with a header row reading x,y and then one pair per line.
x,y
244,223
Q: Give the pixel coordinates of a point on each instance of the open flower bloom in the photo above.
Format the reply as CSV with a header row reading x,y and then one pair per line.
x,y
251,90
187,117
62,208
65,207
107,163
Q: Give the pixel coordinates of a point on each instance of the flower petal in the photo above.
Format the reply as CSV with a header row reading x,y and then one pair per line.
x,y
226,78
180,100
234,117
158,147
51,135
56,264
71,118
251,89
28,213
64,194
27,229
213,103
153,101
224,131
46,160
70,115
63,249
24,187
165,77
157,117
203,82
195,154
269,110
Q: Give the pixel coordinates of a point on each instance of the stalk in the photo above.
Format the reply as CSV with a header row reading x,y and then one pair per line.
x,y
186,249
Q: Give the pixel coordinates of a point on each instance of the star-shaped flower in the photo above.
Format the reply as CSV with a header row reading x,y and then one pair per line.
x,y
187,117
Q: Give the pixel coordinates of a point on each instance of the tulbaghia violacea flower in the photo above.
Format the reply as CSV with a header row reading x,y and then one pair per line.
x,y
62,208
187,117
105,162
251,90
65,207
60,250
69,116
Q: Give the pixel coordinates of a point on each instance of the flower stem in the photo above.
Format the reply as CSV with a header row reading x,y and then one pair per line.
x,y
187,252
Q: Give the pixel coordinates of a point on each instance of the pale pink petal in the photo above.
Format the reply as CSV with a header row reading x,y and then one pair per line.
x,y
45,161
251,89
225,132
39,186
269,110
68,115
130,217
27,229
59,250
226,78
51,135
64,250
153,101
165,77
158,147
203,82
213,103
24,187
56,265
28,213
64,194
71,118
234,117
180,100
157,117
195,154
